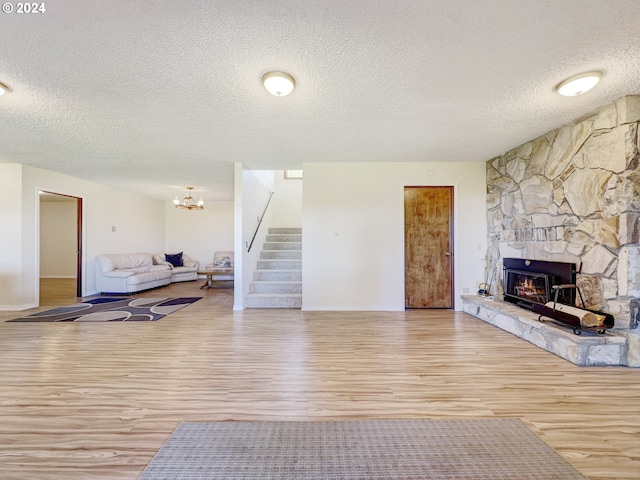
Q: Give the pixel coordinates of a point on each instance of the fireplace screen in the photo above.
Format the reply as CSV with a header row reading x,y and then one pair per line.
x,y
527,287
527,282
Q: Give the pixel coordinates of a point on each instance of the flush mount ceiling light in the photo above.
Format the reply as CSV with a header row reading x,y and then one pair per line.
x,y
578,84
187,203
279,84
3,88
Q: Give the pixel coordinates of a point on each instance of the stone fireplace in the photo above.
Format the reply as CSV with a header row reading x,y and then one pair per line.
x,y
573,195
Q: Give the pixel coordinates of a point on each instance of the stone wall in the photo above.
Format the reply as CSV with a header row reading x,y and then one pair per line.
x,y
573,195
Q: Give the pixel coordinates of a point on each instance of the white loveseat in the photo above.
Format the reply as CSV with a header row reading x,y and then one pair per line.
x,y
129,272
185,273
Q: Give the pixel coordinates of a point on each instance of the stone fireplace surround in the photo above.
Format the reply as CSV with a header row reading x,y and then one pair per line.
x,y
573,195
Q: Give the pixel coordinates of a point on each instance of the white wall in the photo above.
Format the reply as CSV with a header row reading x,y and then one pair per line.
x,y
138,221
10,237
353,249
353,224
238,240
58,241
199,233
287,202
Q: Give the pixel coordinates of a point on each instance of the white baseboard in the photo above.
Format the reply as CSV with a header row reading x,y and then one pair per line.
x,y
17,308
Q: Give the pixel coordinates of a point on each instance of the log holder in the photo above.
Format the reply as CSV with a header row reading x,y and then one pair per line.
x,y
566,319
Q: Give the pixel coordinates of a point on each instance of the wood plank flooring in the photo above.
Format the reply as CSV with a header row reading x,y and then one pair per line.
x,y
97,400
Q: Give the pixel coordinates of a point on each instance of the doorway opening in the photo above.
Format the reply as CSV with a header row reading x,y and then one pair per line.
x,y
60,255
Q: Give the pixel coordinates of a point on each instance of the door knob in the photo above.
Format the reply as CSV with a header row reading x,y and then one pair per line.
x,y
448,254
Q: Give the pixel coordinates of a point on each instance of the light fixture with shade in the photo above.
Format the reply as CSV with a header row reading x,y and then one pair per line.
x,y
578,84
279,84
3,88
187,203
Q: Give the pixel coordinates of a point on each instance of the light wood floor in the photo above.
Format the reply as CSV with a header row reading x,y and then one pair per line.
x,y
97,400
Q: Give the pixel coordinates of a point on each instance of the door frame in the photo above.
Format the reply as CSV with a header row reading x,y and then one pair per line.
x,y
80,235
453,230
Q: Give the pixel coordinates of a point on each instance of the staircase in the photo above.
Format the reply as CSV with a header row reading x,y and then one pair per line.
x,y
277,281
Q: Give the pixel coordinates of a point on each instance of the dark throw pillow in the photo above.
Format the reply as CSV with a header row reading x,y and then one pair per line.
x,y
174,259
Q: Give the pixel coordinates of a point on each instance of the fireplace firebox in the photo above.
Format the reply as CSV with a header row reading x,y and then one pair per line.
x,y
527,282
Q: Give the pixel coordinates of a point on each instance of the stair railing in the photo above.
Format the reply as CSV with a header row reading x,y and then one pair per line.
x,y
260,218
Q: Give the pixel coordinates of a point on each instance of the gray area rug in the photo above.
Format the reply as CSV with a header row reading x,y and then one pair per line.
x,y
112,309
478,449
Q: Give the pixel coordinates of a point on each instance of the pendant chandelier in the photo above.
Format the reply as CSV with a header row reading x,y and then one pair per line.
x,y
187,203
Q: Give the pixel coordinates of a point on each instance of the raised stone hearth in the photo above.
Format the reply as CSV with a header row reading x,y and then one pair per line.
x,y
573,195
587,349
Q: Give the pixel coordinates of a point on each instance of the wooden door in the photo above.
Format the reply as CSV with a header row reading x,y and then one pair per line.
x,y
428,233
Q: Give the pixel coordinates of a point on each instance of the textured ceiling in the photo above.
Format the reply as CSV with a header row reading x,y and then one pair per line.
x,y
158,95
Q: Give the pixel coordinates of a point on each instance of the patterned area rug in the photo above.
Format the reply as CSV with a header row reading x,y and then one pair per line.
x,y
112,309
481,449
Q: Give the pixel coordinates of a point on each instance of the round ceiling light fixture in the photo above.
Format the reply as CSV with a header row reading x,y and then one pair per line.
x,y
578,84
279,84
3,88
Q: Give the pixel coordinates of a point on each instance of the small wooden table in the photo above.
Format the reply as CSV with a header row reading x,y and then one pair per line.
x,y
212,273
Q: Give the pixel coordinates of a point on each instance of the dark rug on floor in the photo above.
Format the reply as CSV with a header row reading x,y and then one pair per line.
x,y
112,309
487,449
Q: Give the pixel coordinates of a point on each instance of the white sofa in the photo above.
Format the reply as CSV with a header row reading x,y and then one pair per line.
x,y
185,273
129,272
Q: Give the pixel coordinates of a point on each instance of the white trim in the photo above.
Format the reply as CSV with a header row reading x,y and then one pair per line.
x,y
14,308
36,288
83,232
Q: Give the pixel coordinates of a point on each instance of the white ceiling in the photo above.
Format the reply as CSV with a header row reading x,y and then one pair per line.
x,y
158,95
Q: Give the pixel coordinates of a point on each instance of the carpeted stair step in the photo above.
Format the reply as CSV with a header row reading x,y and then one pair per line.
x,y
278,275
284,237
280,230
282,246
275,287
280,264
287,254
271,300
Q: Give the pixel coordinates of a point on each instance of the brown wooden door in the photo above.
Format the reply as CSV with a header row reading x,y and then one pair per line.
x,y
428,234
